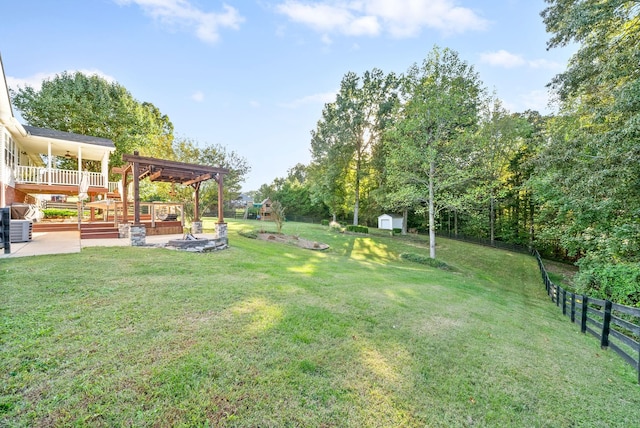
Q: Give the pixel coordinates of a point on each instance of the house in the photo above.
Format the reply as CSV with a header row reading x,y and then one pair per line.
x,y
31,159
390,221
265,210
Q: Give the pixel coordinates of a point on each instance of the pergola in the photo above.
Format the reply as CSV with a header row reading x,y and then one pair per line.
x,y
188,174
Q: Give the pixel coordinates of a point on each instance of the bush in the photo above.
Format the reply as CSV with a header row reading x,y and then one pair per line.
x,y
324,222
619,283
59,213
424,260
357,229
248,234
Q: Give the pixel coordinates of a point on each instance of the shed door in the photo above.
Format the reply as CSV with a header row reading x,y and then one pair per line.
x,y
385,223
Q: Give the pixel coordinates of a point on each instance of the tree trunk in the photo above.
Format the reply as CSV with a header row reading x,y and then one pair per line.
x,y
492,218
432,215
356,207
405,217
455,222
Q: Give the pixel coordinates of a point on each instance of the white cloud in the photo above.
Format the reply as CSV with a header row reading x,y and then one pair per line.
x,y
536,100
502,58
197,96
400,18
546,64
182,13
35,81
254,104
321,98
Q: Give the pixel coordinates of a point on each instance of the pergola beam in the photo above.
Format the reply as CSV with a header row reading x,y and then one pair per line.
x,y
171,172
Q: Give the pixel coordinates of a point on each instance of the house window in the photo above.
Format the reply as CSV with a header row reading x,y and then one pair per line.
x,y
10,151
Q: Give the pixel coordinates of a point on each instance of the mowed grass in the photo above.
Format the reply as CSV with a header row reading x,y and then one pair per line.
x,y
270,335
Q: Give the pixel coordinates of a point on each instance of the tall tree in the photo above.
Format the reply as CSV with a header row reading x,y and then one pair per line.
x,y
590,168
499,137
91,105
440,105
347,136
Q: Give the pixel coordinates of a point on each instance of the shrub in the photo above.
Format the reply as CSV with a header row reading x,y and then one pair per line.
x,y
324,222
619,283
424,260
248,234
334,225
59,213
357,229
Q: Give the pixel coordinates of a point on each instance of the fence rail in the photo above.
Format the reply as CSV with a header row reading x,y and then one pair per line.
x,y
616,326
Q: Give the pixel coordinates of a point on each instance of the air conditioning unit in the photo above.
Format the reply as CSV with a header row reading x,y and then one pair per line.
x,y
20,230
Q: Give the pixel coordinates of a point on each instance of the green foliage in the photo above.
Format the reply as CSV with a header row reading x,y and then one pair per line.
x,y
59,213
357,229
324,222
619,282
252,234
425,260
91,105
346,141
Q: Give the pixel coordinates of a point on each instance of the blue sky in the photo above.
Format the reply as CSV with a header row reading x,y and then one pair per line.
x,y
253,75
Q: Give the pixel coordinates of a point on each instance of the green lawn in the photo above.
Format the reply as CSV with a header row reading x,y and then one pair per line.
x,y
265,334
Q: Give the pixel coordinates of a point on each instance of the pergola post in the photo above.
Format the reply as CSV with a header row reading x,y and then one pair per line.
x,y
136,192
220,199
196,201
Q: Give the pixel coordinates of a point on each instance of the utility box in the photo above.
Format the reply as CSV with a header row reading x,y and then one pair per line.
x,y
20,230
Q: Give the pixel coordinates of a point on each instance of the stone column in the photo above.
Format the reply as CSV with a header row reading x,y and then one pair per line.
x,y
124,230
221,232
196,227
138,234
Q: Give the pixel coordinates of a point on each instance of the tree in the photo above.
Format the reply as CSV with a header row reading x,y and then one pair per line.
x,y
588,171
497,141
440,101
190,151
90,105
345,140
277,214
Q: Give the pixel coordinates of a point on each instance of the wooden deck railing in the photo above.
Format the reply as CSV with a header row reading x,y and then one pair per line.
x,y
42,175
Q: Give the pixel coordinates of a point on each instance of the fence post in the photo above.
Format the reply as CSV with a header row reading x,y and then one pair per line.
x,y
606,324
564,302
573,307
583,322
5,229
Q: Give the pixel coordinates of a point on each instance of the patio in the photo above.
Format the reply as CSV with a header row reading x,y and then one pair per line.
x,y
46,243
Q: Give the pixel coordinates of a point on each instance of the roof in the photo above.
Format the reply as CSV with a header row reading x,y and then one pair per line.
x,y
391,215
68,136
172,171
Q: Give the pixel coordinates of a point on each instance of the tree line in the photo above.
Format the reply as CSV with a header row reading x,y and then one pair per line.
x,y
435,146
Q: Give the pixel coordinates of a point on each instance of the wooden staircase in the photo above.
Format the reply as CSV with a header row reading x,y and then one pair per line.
x,y
87,230
98,231
54,227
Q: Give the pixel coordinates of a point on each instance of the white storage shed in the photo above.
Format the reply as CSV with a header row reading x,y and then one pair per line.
x,y
389,221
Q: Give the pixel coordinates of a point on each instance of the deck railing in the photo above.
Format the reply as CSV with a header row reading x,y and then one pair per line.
x,y
41,175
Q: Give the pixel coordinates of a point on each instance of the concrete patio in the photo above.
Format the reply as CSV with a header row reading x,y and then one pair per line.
x,y
44,243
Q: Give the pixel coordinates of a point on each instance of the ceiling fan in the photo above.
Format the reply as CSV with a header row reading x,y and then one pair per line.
x,y
68,155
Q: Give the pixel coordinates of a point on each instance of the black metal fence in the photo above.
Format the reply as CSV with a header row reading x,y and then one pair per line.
x,y
616,326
